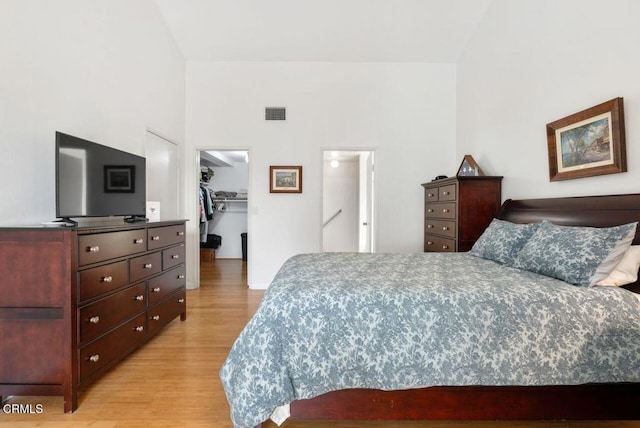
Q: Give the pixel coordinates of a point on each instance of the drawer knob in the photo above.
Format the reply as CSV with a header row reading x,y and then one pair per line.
x,y
445,228
94,358
430,195
445,193
155,317
429,243
156,289
180,300
94,320
148,265
430,210
93,249
155,238
445,247
107,279
138,241
139,328
175,256
180,276
430,226
445,210
139,297
181,233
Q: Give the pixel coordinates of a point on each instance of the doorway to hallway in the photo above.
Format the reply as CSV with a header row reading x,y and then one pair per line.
x,y
348,201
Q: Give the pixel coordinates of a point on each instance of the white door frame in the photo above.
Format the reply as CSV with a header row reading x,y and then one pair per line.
x,y
374,229
178,176
196,213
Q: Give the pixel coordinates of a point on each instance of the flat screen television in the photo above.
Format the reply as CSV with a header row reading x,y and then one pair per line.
x,y
93,180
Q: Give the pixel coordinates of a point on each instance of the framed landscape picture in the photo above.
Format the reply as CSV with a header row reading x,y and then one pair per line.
x,y
285,179
588,143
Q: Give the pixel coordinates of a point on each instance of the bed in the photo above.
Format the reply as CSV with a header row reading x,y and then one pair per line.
x,y
448,335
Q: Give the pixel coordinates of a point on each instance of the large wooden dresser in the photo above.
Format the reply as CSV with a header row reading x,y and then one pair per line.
x,y
76,301
457,210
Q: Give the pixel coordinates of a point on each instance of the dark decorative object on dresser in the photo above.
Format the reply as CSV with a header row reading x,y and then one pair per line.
x,y
457,210
76,301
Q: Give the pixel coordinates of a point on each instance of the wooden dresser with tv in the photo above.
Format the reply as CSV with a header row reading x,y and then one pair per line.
x,y
75,301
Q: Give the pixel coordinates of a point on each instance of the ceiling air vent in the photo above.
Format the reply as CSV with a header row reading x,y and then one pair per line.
x,y
275,113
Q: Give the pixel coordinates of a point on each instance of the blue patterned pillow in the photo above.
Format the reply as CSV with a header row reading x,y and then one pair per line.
x,y
571,254
502,240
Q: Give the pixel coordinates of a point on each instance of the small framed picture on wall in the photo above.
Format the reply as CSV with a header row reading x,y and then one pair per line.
x,y
285,179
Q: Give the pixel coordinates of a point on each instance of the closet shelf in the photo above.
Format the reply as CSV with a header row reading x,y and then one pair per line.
x,y
229,199
239,203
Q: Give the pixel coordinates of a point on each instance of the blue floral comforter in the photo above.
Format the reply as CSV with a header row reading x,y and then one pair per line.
x,y
396,321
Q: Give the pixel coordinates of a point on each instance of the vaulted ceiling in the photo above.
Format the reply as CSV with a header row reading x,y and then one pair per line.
x,y
322,30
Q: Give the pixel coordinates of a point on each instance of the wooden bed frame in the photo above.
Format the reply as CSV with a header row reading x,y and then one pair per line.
x,y
620,401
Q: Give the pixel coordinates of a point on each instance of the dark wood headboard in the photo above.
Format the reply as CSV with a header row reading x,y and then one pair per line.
x,y
596,211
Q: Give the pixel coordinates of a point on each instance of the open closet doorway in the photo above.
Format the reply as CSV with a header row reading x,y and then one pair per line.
x,y
224,201
348,201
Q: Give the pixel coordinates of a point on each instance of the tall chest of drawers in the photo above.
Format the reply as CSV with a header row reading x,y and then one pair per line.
x,y
457,210
76,301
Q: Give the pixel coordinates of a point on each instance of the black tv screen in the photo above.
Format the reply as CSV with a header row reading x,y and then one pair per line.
x,y
93,180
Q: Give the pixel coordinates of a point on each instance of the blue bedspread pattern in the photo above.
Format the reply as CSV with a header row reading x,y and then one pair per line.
x,y
395,321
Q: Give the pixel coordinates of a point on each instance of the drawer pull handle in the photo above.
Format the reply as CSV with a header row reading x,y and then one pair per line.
x,y
93,249
156,289
430,226
429,210
94,358
94,320
139,328
148,265
180,233
107,279
139,297
445,210
175,256
155,317
445,193
429,242
138,241
180,276
445,247
180,300
430,195
445,228
155,238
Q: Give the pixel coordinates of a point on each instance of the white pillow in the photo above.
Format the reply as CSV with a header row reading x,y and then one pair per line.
x,y
627,270
613,258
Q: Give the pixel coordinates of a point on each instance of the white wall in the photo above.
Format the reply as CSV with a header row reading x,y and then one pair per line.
x,y
532,62
104,70
404,111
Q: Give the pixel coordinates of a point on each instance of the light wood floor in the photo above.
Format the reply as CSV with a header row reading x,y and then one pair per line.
x,y
173,380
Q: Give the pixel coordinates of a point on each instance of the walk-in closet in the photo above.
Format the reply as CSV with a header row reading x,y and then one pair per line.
x,y
224,180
